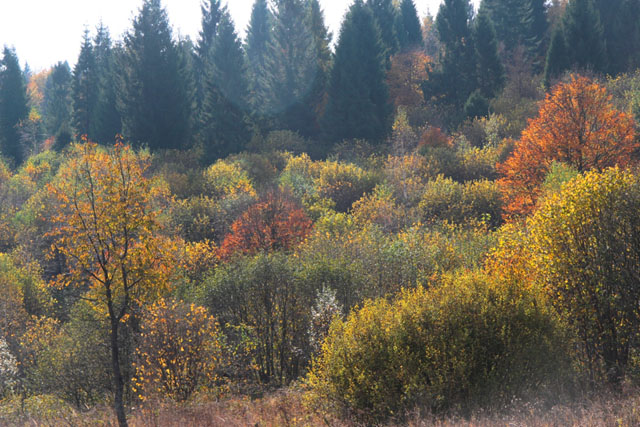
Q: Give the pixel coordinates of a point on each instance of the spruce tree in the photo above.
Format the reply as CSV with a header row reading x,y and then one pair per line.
x,y
223,128
212,12
557,58
455,79
620,21
258,39
490,71
384,13
535,27
408,26
155,95
13,105
58,104
358,105
292,67
85,89
107,122
584,36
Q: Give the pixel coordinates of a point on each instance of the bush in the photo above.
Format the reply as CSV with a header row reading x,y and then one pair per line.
x,y
445,199
179,349
586,237
468,341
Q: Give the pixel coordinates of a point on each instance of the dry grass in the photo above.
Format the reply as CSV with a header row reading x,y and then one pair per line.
x,y
285,408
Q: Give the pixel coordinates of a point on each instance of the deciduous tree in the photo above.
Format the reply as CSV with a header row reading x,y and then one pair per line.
x,y
578,125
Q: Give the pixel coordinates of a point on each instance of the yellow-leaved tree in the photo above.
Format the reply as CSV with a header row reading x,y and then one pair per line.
x,y
106,227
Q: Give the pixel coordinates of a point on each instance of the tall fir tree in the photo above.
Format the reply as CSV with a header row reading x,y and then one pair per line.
x,y
85,90
155,92
536,27
557,57
258,39
58,104
291,67
454,79
224,128
408,28
107,122
490,72
385,15
13,106
358,105
212,12
584,36
620,21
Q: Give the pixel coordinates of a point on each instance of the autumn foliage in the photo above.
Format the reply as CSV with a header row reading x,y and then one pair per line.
x,y
578,125
274,223
408,71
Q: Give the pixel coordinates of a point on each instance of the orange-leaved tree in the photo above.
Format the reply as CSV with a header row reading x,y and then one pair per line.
x,y
106,227
275,222
578,125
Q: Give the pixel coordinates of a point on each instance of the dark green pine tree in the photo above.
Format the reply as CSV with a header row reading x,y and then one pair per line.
x,y
223,121
258,39
212,12
620,22
155,95
106,122
408,28
557,58
315,100
584,36
490,72
358,105
291,67
58,104
506,16
535,26
85,89
13,106
455,79
384,13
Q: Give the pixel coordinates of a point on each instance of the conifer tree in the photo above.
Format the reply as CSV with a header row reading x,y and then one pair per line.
x,y
58,104
358,105
408,26
455,79
292,67
584,36
224,128
259,33
155,95
13,105
557,60
490,71
384,13
212,12
107,121
620,21
85,89
535,27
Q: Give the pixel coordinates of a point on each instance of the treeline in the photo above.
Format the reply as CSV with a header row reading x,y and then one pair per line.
x,y
225,95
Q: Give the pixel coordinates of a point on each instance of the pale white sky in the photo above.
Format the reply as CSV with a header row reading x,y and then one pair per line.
x,y
47,31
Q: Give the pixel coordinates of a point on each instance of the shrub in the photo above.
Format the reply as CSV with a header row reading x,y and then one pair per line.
x,y
586,237
179,349
468,341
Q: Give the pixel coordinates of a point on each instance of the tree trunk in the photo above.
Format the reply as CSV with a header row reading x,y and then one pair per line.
x,y
118,382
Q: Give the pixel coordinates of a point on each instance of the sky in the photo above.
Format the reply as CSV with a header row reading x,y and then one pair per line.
x,y
44,32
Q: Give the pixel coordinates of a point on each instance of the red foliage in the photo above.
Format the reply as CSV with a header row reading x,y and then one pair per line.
x,y
577,125
273,223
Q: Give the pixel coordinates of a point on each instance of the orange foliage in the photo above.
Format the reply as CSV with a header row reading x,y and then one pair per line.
x,y
434,137
408,71
578,125
273,223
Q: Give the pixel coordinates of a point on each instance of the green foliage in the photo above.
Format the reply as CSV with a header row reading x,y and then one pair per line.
x,y
586,238
358,104
490,72
154,88
13,106
467,341
477,105
58,104
84,90
408,26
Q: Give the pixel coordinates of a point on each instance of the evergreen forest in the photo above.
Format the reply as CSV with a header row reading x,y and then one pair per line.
x,y
419,220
